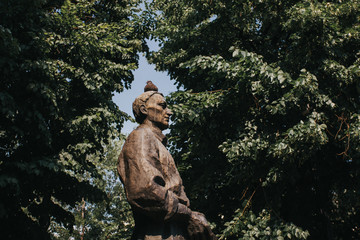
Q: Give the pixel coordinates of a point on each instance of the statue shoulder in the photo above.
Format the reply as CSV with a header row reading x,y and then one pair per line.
x,y
139,140
140,135
140,132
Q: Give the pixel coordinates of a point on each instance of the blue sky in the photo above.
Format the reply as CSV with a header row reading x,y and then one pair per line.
x,y
144,73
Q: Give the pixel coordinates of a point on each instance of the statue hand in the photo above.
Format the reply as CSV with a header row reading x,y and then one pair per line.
x,y
199,228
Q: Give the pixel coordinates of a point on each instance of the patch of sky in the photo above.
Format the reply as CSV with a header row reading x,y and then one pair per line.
x,y
213,17
206,21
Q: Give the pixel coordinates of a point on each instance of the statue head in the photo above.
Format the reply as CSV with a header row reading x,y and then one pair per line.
x,y
151,106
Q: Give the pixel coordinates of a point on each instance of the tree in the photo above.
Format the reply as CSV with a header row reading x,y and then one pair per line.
x,y
61,62
271,108
107,219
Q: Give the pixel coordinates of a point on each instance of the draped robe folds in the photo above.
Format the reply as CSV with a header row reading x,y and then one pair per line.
x,y
153,186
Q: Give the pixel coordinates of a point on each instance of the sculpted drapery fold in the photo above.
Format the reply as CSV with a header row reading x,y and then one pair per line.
x,y
152,182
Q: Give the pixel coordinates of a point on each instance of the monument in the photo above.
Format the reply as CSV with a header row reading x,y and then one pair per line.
x,y
152,182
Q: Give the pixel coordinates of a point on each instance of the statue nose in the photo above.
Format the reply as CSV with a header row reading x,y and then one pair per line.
x,y
169,112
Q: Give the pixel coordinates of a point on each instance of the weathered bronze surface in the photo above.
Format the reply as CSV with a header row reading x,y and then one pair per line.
x,y
152,182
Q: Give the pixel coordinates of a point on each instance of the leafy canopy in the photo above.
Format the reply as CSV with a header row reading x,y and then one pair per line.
x,y
61,62
267,131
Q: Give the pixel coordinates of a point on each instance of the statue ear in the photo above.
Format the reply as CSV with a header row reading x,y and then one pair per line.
x,y
143,109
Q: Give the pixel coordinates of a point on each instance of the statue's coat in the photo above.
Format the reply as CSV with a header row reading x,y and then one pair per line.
x,y
153,186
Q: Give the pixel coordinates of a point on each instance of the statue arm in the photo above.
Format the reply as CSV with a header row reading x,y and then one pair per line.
x,y
149,195
145,185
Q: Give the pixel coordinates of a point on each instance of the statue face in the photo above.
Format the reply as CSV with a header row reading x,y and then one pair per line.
x,y
157,111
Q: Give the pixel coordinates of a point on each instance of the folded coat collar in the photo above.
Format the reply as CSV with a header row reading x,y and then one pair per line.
x,y
157,132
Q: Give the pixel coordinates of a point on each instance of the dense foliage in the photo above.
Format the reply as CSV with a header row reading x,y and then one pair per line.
x,y
60,63
108,219
267,133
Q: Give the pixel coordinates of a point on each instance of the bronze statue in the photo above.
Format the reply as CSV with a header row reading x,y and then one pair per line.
x,y
152,182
